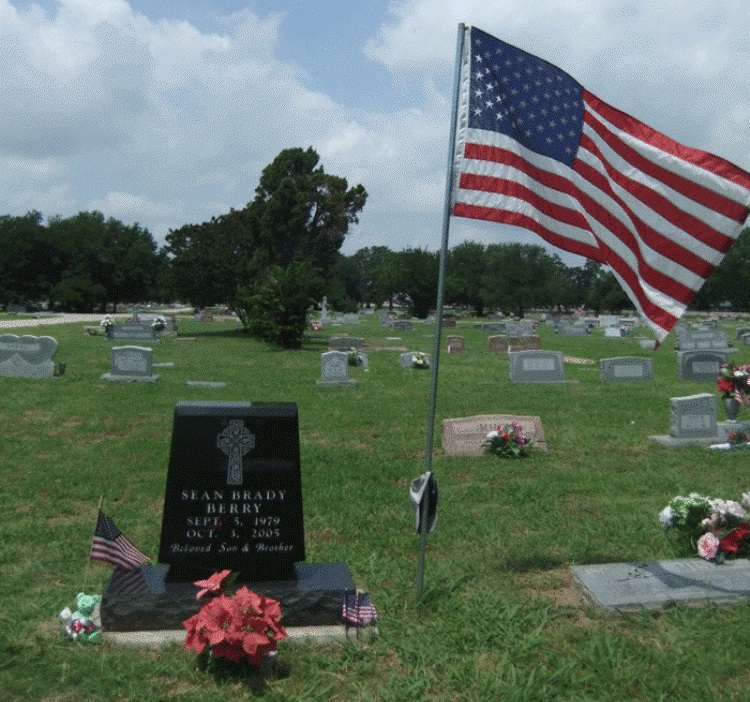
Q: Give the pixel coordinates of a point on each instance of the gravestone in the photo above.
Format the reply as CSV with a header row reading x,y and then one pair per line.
x,y
631,587
233,501
448,323
704,340
335,369
497,344
402,325
575,330
608,320
493,327
132,332
465,436
455,344
345,343
625,368
131,364
527,342
537,367
699,366
234,490
27,356
407,359
612,333
693,417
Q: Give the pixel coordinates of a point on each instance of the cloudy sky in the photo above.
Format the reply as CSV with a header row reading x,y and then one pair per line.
x,y
164,112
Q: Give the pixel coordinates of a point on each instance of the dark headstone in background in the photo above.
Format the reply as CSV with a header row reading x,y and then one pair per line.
x,y
234,492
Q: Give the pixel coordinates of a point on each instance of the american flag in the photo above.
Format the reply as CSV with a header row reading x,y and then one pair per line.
x,y
358,609
536,150
111,546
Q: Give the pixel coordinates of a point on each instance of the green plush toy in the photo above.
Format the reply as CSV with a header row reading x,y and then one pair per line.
x,y
80,625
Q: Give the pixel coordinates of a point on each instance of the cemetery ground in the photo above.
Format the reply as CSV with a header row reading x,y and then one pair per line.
x,y
499,618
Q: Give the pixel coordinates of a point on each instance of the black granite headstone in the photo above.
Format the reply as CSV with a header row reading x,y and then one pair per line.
x,y
234,492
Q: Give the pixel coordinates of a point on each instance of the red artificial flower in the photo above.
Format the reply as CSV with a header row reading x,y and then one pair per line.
x,y
731,542
243,627
725,385
212,584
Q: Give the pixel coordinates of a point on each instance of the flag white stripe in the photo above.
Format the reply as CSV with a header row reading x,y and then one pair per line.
x,y
707,179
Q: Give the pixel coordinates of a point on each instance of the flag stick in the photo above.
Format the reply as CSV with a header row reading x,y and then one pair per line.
x,y
439,316
88,562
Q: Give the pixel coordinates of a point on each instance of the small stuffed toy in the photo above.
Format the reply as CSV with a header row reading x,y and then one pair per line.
x,y
80,625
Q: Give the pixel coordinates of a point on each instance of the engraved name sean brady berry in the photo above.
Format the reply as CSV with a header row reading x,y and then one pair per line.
x,y
231,509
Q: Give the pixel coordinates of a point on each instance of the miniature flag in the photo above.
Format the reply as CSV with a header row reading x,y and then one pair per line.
x,y
535,149
358,609
111,546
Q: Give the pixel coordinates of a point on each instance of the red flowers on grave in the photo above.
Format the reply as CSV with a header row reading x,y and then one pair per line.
x,y
245,626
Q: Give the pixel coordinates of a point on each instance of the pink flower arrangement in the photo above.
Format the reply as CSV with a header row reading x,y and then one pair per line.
x,y
708,546
508,441
243,627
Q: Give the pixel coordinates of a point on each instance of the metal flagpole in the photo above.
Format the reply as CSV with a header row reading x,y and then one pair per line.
x,y
439,316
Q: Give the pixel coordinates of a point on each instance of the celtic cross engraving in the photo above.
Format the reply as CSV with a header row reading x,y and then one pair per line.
x,y
235,441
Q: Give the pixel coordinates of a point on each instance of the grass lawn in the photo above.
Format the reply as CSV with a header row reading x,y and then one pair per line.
x,y
499,618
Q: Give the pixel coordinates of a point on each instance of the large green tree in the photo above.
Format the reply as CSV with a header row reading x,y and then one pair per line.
x,y
25,273
297,221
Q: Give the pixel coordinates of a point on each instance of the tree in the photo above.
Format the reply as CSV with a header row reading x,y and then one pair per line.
x,y
465,268
297,224
730,282
24,263
417,277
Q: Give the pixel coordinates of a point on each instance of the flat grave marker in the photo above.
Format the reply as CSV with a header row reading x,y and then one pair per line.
x,y
654,585
464,436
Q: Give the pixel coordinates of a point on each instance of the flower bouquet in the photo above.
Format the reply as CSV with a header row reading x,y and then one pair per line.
x,y
508,441
733,383
244,627
717,528
420,360
107,322
356,358
159,324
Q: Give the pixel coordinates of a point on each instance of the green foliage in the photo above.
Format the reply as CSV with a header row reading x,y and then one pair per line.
x,y
79,263
275,304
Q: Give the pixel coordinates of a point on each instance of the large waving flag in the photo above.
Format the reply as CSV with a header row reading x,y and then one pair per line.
x,y
537,150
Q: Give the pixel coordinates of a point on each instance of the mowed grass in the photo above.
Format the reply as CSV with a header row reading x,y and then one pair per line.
x,y
499,618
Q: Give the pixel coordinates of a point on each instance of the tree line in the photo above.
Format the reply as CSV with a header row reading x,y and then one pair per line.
x,y
273,259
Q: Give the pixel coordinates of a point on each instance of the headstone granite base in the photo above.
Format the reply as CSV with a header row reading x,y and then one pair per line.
x,y
146,599
653,585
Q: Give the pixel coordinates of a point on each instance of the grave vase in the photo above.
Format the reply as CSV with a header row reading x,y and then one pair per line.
x,y
731,407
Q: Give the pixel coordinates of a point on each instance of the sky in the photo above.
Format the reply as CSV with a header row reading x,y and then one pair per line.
x,y
165,112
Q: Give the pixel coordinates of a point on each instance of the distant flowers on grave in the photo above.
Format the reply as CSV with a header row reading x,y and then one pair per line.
x,y
508,441
159,324
355,358
420,360
107,322
716,528
734,382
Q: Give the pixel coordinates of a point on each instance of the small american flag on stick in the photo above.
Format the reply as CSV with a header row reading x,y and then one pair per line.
x,y
358,610
111,546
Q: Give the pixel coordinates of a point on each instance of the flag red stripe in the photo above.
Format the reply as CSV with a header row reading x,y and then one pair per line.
x,y
490,184
702,159
657,202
